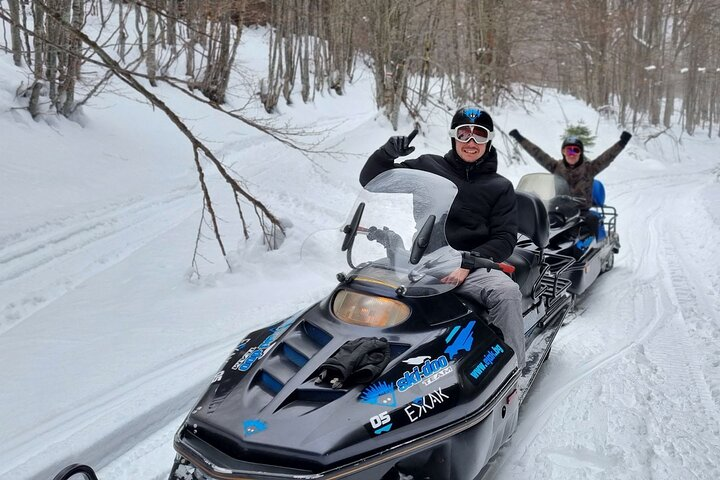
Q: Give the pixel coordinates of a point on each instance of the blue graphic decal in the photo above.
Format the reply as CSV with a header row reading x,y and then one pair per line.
x,y
242,344
254,353
452,334
464,340
472,113
384,429
253,426
380,393
487,360
417,374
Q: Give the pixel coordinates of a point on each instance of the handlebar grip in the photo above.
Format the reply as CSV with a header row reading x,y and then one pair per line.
x,y
486,263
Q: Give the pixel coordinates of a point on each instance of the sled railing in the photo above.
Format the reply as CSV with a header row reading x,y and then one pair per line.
x,y
550,284
608,216
71,470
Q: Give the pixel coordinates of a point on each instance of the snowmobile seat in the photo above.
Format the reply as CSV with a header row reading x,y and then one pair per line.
x,y
532,219
527,267
532,223
598,193
598,200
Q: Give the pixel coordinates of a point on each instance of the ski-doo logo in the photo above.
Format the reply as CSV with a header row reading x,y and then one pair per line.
x,y
463,341
254,353
486,361
422,405
418,374
417,360
440,373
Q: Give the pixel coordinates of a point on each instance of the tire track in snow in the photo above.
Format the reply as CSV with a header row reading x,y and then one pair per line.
x,y
692,280
43,262
87,419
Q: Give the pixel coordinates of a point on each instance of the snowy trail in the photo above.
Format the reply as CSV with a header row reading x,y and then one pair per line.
x,y
630,361
115,403
43,262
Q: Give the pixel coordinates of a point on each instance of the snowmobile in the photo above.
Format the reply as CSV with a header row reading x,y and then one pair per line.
x,y
570,236
446,389
392,375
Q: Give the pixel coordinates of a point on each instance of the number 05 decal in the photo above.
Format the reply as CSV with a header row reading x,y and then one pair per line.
x,y
381,423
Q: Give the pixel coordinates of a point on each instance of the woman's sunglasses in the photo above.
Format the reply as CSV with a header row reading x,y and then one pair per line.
x,y
572,150
465,133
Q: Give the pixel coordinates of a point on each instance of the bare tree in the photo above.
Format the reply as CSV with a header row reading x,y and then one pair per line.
x,y
16,47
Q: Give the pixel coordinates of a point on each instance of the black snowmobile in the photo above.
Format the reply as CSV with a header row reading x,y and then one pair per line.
x,y
392,375
570,236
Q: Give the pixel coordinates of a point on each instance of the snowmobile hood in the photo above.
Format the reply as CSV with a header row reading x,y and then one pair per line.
x,y
265,407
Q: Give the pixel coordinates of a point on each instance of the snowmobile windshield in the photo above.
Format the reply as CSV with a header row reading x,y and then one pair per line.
x,y
545,186
395,233
554,191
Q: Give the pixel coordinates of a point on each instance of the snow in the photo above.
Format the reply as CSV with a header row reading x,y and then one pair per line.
x,y
106,340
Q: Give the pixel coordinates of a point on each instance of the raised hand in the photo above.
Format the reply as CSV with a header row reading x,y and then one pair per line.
x,y
515,134
400,146
625,137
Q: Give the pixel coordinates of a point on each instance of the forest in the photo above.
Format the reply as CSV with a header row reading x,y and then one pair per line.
x,y
645,61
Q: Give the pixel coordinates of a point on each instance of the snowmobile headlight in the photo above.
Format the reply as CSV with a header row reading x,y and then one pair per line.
x,y
368,310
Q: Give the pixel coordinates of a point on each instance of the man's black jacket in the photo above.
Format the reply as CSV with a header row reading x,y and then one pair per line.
x,y
482,219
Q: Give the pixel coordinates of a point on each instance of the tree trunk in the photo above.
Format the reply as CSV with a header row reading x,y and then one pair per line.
x,y
15,38
73,63
150,58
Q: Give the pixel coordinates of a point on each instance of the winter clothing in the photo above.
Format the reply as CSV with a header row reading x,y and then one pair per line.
x,y
482,219
581,175
625,138
574,141
398,147
482,222
502,297
472,116
358,361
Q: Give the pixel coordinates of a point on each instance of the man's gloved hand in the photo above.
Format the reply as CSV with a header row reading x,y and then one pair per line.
x,y
515,134
385,237
625,137
398,147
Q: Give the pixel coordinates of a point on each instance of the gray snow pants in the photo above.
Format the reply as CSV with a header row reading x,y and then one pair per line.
x,y
502,297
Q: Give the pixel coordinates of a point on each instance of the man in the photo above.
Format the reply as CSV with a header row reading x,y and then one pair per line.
x,y
482,221
578,171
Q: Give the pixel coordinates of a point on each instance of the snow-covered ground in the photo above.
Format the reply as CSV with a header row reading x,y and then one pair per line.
x,y
105,341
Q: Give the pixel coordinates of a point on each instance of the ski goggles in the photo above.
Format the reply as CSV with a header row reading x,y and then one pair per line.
x,y
572,150
465,133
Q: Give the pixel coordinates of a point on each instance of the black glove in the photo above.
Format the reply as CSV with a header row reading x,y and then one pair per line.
x,y
625,138
385,237
515,134
398,147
